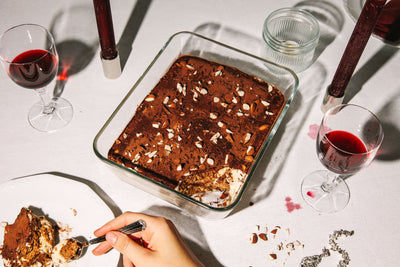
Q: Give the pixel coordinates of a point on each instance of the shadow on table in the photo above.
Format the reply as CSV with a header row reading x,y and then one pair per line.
x,y
330,20
75,33
190,230
131,29
365,72
389,117
96,189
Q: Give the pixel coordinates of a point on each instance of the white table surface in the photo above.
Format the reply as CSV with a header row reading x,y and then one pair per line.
x,y
373,212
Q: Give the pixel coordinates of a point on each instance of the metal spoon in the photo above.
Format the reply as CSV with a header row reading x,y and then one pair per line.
x,y
71,249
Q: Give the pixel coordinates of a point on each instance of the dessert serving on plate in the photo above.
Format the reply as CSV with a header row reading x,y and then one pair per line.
x,y
200,128
30,241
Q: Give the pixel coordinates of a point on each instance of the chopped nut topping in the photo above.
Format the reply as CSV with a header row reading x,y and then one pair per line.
x,y
263,236
203,91
213,115
254,238
166,99
248,158
250,150
150,98
265,103
189,67
247,138
215,137
199,144
218,73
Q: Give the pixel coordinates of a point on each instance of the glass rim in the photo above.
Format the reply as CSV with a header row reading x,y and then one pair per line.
x,y
51,47
336,109
294,10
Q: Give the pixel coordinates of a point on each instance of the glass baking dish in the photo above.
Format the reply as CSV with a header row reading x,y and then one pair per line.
x,y
189,43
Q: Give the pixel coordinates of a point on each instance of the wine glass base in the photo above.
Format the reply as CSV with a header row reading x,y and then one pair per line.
x,y
51,119
321,198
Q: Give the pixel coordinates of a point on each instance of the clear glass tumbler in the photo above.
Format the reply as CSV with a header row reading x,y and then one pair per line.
x,y
290,38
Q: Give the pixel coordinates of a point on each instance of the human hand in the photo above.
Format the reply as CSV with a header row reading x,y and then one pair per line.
x,y
165,246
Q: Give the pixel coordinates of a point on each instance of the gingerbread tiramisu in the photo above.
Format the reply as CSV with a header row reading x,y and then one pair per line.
x,y
200,129
28,241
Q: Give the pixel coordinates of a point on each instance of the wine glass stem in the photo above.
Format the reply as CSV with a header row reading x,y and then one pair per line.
x,y
49,104
331,183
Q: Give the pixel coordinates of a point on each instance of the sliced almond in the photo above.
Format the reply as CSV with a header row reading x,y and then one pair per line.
x,y
150,98
263,236
254,238
272,257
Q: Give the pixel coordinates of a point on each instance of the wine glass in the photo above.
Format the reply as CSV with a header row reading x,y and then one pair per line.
x,y
348,140
29,56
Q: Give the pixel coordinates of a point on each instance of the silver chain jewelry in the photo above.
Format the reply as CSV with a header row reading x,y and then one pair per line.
x,y
313,261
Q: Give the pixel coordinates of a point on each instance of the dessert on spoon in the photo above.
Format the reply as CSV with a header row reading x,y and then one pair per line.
x,y
71,249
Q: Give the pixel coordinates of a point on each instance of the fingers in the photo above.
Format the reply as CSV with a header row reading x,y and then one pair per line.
x,y
126,246
121,221
101,249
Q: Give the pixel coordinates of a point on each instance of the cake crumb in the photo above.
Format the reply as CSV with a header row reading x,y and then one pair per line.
x,y
279,248
74,211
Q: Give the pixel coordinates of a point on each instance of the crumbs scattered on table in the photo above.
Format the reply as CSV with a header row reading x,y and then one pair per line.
x,y
74,211
277,241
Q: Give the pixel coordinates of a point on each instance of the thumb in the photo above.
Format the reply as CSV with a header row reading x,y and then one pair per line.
x,y
124,245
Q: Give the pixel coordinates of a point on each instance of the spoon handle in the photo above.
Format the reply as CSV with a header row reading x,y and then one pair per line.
x,y
137,226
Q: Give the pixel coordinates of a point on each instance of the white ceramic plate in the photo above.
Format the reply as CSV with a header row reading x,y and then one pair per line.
x,y
63,200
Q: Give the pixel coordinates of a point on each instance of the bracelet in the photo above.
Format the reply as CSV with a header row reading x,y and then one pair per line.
x,y
313,261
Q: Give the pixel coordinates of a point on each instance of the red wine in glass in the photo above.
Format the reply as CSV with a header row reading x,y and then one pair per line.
x,y
29,56
348,139
342,152
33,69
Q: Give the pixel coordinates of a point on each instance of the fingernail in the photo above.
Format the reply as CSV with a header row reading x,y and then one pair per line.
x,y
111,238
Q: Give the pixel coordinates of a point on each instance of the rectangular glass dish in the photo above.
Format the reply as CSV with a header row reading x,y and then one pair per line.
x,y
191,44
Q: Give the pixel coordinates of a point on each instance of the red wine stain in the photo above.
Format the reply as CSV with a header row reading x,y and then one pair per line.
x,y
313,131
311,194
290,205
